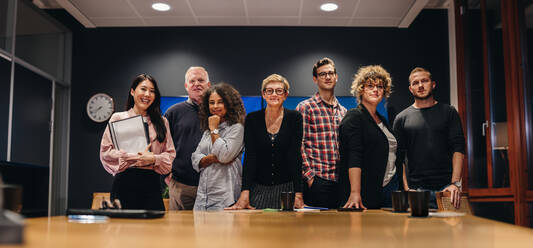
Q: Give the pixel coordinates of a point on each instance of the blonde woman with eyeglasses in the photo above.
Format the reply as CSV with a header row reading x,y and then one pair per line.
x,y
273,160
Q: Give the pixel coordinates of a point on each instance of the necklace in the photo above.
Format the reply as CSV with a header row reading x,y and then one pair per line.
x,y
273,124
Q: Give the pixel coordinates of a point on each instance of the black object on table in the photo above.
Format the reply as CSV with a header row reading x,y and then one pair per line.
x,y
120,213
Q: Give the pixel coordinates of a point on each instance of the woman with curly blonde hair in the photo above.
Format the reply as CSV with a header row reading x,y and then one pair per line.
x,y
368,169
217,156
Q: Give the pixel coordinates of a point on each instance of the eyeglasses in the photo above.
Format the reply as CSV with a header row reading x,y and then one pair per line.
x,y
371,86
324,74
270,91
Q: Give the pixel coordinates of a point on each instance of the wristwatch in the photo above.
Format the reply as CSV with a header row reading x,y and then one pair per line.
x,y
214,131
457,184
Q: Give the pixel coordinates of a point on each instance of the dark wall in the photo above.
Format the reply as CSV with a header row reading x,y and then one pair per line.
x,y
107,59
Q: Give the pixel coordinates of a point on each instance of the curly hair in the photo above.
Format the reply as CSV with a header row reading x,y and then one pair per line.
x,y
232,102
374,73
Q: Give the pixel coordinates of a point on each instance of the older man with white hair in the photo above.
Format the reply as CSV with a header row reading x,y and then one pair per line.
x,y
186,133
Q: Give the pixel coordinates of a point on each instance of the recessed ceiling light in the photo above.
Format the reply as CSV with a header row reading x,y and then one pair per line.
x,y
329,7
160,6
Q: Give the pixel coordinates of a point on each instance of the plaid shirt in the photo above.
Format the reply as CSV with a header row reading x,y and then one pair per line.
x,y
320,145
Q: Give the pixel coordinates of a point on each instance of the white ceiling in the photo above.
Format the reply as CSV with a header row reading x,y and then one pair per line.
x,y
138,13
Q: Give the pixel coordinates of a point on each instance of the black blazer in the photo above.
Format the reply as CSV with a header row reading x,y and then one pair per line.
x,y
363,144
269,164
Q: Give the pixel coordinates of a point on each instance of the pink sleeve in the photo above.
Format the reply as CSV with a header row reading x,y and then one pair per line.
x,y
113,160
163,160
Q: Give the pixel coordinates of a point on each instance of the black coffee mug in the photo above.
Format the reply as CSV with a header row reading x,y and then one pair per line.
x,y
287,201
419,202
400,202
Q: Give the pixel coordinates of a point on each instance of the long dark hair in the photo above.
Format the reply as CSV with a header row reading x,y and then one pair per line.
x,y
154,111
232,102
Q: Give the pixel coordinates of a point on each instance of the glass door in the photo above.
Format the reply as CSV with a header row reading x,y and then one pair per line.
x,y
499,105
486,107
486,99
475,90
496,85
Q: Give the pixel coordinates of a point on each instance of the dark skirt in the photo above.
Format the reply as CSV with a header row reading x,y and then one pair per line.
x,y
268,196
138,189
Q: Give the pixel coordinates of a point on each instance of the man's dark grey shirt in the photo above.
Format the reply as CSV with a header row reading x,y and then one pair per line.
x,y
428,137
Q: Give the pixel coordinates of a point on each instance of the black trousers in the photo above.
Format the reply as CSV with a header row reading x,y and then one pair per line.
x,y
138,189
323,193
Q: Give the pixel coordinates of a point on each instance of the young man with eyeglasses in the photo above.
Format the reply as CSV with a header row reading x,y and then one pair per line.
x,y
431,136
185,129
322,115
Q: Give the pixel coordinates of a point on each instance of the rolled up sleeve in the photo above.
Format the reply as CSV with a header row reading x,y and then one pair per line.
x,y
199,153
226,148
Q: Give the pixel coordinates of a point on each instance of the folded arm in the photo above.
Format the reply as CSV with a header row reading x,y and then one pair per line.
x,y
227,147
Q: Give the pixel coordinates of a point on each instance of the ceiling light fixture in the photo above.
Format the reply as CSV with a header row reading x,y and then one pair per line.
x,y
329,7
161,6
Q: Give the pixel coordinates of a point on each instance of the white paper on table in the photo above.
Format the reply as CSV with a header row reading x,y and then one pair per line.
x,y
244,211
129,134
447,214
306,210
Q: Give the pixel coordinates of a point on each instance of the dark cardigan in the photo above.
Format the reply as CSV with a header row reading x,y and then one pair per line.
x,y
363,144
269,164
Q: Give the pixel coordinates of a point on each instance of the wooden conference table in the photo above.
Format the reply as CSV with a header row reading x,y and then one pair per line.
x,y
372,228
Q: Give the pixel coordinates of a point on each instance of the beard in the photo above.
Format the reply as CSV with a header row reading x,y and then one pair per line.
x,y
430,94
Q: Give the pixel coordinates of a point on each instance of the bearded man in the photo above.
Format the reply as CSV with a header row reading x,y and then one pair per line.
x,y
431,138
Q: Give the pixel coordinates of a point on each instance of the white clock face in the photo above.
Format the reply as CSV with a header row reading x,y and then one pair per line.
x,y
100,107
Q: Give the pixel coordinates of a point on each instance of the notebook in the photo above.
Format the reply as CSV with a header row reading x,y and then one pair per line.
x,y
130,134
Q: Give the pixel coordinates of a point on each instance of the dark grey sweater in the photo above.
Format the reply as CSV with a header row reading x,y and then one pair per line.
x,y
428,137
186,133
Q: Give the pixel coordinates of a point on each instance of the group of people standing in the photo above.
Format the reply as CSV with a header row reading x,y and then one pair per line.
x,y
328,156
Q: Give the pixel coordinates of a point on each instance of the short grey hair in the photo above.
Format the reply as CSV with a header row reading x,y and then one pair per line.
x,y
196,68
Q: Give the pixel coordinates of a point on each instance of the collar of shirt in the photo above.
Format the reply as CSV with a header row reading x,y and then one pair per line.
x,y
189,100
318,99
192,103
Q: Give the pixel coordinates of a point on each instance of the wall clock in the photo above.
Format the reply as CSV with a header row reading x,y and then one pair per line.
x,y
100,107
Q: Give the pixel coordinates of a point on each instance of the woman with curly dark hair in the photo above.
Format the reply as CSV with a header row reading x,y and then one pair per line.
x,y
217,156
